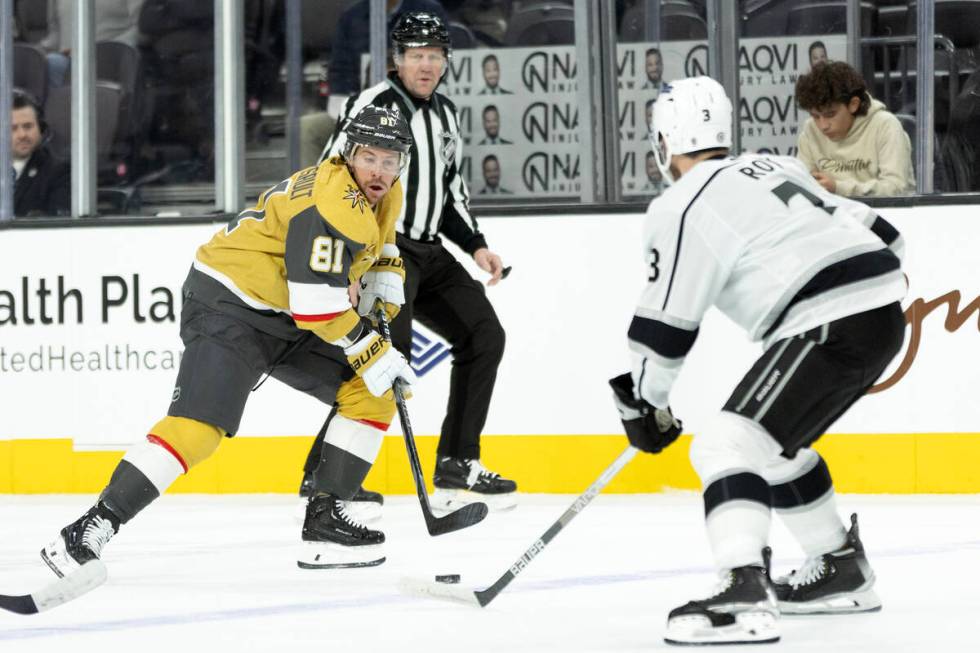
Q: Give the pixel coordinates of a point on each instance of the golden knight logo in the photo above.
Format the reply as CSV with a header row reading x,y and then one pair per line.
x,y
356,197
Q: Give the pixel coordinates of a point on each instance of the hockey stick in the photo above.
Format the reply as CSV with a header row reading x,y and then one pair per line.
x,y
82,580
482,597
461,518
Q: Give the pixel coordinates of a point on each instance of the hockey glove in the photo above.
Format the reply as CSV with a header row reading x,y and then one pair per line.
x,y
648,428
379,364
385,280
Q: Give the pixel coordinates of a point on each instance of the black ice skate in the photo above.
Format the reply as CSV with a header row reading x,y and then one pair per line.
x,y
364,506
334,540
834,583
743,610
81,541
460,481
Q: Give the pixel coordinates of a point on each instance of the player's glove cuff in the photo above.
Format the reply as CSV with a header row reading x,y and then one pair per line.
x,y
648,428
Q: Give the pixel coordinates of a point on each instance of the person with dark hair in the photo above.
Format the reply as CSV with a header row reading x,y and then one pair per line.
x,y
491,77
439,292
43,181
491,177
852,145
491,126
818,53
270,295
655,69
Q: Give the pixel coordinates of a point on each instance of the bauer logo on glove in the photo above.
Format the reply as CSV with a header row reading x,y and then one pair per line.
x,y
648,428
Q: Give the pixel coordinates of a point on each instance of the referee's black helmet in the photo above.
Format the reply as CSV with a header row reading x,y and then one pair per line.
x,y
419,29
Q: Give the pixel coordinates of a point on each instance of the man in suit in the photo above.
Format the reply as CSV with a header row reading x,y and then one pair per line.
x,y
491,77
43,181
491,177
491,125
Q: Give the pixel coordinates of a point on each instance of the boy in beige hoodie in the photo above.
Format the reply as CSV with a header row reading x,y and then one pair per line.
x,y
852,145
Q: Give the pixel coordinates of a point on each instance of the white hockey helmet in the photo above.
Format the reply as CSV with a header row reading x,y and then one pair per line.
x,y
689,115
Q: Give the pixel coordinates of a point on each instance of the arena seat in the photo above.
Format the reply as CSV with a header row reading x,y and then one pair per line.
x,y
541,23
827,17
31,70
32,19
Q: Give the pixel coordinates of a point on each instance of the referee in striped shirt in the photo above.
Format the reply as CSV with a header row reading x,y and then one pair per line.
x,y
439,292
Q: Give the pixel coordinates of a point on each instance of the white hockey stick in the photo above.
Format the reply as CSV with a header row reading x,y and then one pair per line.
x,y
82,580
482,597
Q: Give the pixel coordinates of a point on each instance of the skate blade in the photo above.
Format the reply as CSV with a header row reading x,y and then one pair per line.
x,y
327,555
756,627
365,512
843,603
444,501
56,557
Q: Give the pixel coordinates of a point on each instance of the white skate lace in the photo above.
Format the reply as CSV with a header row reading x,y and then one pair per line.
x,y
477,470
722,585
97,533
810,572
346,517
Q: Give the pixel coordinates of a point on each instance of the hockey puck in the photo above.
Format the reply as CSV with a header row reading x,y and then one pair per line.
x,y
447,578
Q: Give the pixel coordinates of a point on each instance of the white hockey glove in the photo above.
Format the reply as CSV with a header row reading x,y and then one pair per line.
x,y
379,364
385,280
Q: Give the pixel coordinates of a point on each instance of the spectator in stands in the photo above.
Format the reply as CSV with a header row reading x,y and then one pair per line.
x,y
818,53
115,20
491,77
491,125
43,181
655,69
852,145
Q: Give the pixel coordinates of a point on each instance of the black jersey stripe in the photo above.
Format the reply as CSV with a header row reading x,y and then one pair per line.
x,y
429,184
884,230
680,233
666,340
850,270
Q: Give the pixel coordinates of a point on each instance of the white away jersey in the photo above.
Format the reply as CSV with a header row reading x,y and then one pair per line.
x,y
760,239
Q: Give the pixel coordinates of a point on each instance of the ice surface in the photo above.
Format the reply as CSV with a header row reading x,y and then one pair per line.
x,y
218,573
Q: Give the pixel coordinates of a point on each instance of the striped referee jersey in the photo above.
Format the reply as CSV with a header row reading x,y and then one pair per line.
x,y
436,196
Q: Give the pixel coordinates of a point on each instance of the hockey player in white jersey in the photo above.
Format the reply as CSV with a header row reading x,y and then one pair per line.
x,y
817,279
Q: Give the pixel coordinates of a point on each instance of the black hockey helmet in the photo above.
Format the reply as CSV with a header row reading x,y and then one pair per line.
x,y
378,127
420,29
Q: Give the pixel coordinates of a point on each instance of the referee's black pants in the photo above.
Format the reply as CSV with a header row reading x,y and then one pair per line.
x,y
441,295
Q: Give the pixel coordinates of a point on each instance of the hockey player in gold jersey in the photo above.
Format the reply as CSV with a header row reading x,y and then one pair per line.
x,y
271,295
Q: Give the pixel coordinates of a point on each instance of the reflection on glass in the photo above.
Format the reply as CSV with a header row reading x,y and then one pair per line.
x,y
513,79
643,64
155,106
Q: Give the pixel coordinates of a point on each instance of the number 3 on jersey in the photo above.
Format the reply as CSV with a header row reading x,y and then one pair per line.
x,y
654,259
327,255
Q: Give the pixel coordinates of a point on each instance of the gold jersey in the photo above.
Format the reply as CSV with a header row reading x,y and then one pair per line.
x,y
300,247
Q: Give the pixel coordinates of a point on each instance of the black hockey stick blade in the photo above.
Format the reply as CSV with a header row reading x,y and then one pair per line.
x,y
21,604
84,579
459,519
482,597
